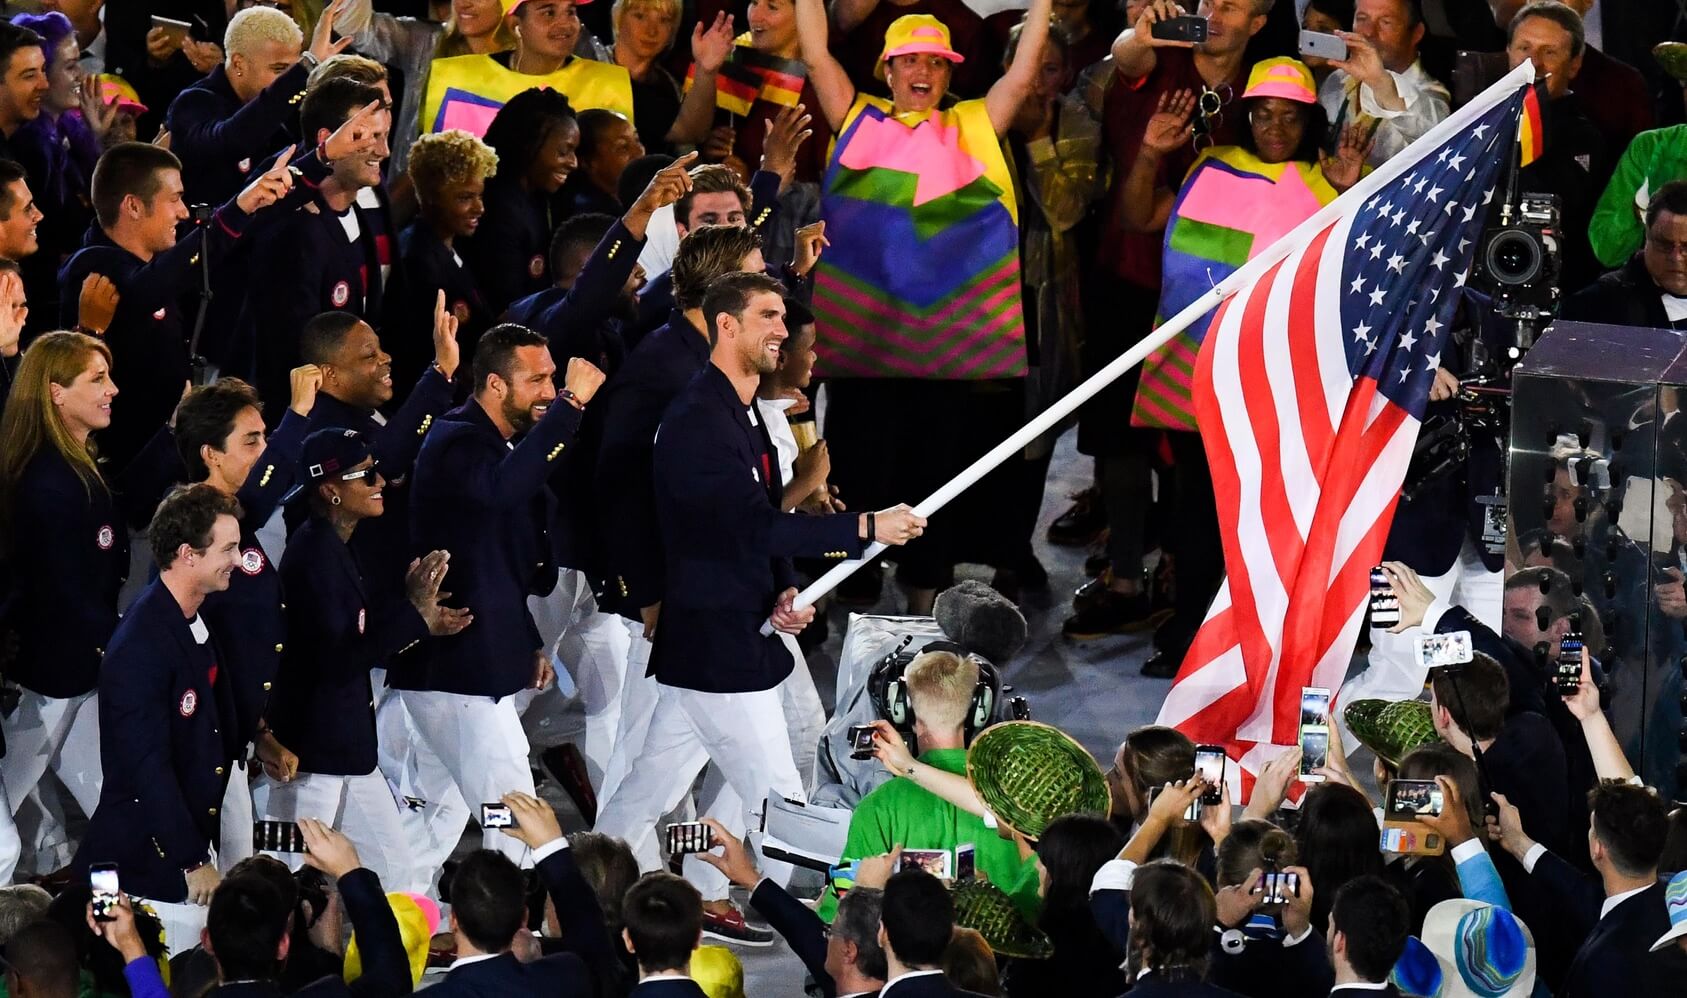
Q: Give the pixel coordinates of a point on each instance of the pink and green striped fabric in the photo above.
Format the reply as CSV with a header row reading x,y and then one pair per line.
x,y
922,276
1231,206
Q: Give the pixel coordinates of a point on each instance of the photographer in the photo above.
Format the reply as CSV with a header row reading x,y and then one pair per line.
x,y
1651,288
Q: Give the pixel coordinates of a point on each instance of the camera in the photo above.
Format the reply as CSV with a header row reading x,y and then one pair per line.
x,y
1520,260
201,213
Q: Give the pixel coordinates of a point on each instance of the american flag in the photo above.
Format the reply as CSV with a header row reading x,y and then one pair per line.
x,y
1309,390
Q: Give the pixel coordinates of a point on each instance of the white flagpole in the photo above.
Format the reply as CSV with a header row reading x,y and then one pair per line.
x,y
1386,174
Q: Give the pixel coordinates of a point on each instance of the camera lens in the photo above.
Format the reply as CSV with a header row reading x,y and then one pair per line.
x,y
1513,257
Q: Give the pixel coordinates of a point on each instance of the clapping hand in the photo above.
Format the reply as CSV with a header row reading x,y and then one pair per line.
x,y
1168,128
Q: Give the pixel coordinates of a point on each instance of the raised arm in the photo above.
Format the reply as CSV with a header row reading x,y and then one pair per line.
x,y
847,15
831,84
1133,50
891,750
1007,93
1147,206
1609,762
709,50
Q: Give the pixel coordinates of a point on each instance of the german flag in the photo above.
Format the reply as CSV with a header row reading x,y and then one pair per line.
x,y
736,88
782,79
1531,131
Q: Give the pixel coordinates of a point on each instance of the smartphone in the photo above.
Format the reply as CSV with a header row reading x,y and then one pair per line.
x,y
861,741
932,861
1314,732
1278,887
1385,606
277,836
966,863
496,816
1209,766
1317,43
1180,29
1437,650
102,880
689,837
1406,802
1568,676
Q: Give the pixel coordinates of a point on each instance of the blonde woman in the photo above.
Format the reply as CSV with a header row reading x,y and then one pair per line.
x,y
644,32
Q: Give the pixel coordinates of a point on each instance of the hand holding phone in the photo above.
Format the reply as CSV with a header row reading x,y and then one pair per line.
x,y
1322,46
1180,29
861,741
496,815
1385,606
1209,767
686,837
1567,678
932,861
102,882
1314,732
277,836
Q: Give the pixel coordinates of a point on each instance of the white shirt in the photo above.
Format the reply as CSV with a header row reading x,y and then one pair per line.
x,y
779,431
464,961
1675,308
1360,986
1427,102
1616,899
661,242
903,977
200,632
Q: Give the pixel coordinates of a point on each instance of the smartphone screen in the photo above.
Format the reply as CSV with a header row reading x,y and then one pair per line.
x,y
685,837
496,816
1314,732
1411,799
1209,766
277,836
1324,46
966,863
932,861
861,741
102,881
1569,675
1385,607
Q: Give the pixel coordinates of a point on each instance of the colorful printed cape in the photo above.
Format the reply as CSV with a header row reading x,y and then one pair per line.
x,y
466,91
748,76
922,276
1231,206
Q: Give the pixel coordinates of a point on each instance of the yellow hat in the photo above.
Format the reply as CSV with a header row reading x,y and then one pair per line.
x,y
912,33
113,89
718,972
1282,77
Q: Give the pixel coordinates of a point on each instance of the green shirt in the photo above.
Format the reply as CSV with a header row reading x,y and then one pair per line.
x,y
1654,158
900,813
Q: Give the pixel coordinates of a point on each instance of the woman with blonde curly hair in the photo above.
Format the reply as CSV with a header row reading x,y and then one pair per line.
x,y
448,171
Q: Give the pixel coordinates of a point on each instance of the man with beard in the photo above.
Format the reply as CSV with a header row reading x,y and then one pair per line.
x,y
324,256
727,549
481,492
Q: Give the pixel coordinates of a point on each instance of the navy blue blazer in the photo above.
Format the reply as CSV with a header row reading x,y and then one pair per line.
x,y
382,545
631,406
221,141
668,987
926,986
799,926
425,267
510,251
250,616
166,743
573,319
323,708
1155,987
726,544
1614,958
74,540
485,500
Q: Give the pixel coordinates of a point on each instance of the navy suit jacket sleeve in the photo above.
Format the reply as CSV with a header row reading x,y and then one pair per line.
x,y
397,443
698,470
159,281
514,479
597,288
1579,897
135,708
764,198
207,132
272,477
579,918
799,926
386,966
1112,912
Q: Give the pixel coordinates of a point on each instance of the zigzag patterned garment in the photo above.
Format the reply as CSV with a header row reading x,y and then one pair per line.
x,y
922,276
1231,206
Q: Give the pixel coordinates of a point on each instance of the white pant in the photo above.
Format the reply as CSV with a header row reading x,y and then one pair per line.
x,y
1393,672
183,922
234,835
479,744
593,649
805,715
62,735
637,704
359,806
744,735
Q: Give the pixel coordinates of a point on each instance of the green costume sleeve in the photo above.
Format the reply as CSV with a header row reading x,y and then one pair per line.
x,y
1616,232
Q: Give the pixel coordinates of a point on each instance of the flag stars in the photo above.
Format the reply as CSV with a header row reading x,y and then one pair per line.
x,y
1434,194
1361,333
1405,372
1358,286
1399,216
1439,260
1432,362
1456,162
1377,297
1470,213
1364,237
1412,229
1444,154
1447,209
1407,340
1418,187
1479,130
1431,327
1376,251
1397,263
1487,195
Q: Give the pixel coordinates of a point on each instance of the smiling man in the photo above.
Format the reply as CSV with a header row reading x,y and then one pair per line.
x,y
324,256
18,214
481,493
23,81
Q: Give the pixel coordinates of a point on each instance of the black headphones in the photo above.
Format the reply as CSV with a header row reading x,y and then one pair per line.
x,y
889,690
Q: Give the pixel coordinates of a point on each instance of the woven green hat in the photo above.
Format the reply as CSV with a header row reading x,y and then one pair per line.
x,y
1391,728
1029,774
981,905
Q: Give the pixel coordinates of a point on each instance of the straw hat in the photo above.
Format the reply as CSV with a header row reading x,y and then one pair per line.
x,y
1028,774
1391,728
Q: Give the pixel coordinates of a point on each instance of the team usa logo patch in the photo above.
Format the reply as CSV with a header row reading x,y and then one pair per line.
x,y
251,561
159,315
245,165
105,538
460,309
189,704
536,266
341,294
362,619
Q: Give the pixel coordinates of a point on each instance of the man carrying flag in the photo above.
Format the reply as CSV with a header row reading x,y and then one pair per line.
x,y
1309,390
